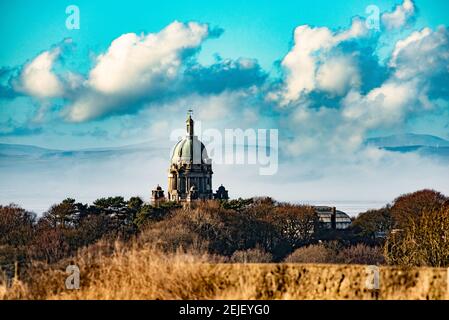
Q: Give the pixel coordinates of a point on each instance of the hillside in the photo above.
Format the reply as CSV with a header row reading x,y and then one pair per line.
x,y
422,144
408,140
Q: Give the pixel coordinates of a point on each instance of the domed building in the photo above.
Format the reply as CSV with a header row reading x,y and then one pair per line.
x,y
190,172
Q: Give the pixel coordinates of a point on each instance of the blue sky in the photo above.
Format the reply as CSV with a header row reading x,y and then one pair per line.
x,y
243,21
29,27
314,70
262,31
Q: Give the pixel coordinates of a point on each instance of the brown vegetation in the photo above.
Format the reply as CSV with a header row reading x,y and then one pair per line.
x,y
158,249
147,273
423,241
330,253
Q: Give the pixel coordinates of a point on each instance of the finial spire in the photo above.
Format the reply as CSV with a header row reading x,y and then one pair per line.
x,y
190,123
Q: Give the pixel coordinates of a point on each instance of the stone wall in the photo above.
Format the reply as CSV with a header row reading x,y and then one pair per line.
x,y
309,281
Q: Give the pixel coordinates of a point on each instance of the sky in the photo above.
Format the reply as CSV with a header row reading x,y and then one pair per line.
x,y
328,75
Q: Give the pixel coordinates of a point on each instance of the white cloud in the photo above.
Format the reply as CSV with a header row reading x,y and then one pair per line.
x,y
338,123
137,66
134,62
88,106
400,16
424,53
37,78
299,62
310,48
215,107
146,70
335,133
382,106
337,75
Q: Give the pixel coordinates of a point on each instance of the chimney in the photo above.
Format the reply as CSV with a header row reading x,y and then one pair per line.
x,y
334,218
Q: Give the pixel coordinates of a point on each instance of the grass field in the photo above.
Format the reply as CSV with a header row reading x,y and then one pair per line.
x,y
146,273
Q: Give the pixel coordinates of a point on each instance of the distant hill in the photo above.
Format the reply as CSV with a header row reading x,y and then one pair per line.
x,y
423,144
28,152
408,140
23,150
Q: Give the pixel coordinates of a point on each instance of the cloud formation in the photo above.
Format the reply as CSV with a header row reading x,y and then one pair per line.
x,y
310,63
37,78
400,16
335,90
134,63
137,70
424,54
332,92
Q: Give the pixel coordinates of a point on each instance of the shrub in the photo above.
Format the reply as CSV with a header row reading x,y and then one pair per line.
x,y
424,241
171,235
361,254
255,255
407,208
295,223
368,223
16,225
316,253
209,225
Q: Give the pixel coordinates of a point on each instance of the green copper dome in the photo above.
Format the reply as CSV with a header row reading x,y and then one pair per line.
x,y
190,150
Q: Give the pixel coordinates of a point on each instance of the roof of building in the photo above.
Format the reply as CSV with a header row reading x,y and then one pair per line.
x,y
190,150
325,213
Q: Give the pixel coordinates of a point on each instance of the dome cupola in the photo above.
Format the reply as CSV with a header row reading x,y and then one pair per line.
x,y
190,150
190,171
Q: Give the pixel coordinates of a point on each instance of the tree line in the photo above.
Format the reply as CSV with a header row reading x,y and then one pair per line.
x,y
413,230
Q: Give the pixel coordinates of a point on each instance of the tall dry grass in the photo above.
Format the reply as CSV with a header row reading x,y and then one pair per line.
x,y
139,272
120,273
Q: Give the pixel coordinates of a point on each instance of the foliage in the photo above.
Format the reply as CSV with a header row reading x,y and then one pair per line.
x,y
361,254
255,255
316,253
335,253
295,223
409,207
423,241
148,213
417,225
16,225
370,223
275,228
236,204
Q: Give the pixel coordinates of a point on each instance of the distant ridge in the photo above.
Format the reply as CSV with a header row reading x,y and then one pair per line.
x,y
423,144
19,151
23,150
408,140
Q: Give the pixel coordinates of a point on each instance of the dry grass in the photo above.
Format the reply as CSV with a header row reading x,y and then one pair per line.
x,y
147,273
